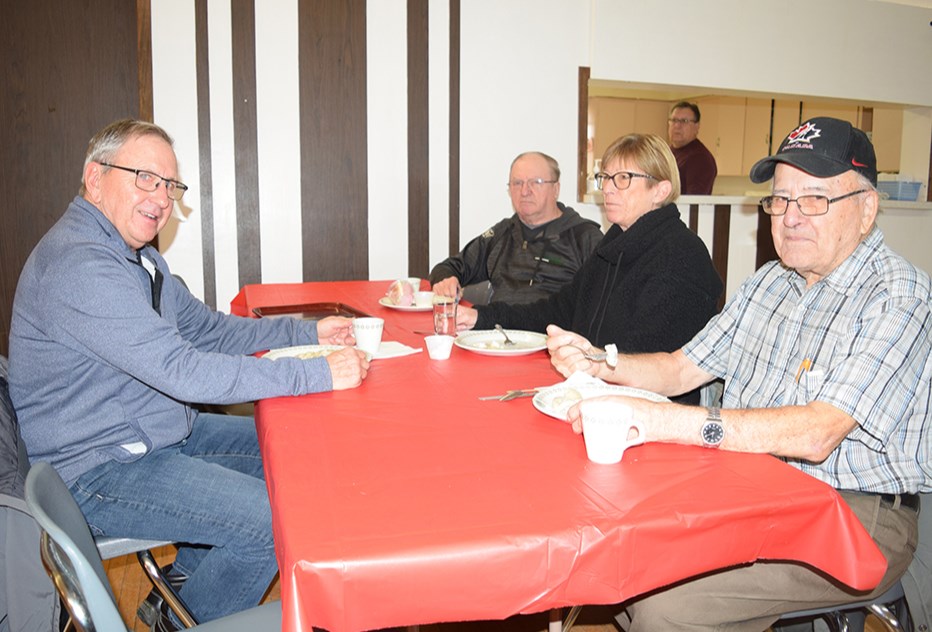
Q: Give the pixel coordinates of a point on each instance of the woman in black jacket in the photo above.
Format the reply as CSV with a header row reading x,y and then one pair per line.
x,y
650,284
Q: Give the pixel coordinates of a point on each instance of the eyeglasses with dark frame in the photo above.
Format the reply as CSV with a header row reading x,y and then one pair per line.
x,y
680,121
534,183
621,180
148,181
809,205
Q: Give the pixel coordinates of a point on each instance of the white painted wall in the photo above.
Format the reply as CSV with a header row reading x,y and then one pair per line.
x,y
519,64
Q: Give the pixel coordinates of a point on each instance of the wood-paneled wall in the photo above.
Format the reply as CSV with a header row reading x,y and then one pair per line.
x,y
69,68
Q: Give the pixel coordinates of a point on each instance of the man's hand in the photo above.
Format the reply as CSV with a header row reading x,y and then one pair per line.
x,y
450,286
566,352
466,318
335,330
348,368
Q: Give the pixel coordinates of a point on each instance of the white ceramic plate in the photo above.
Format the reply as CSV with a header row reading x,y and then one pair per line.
x,y
557,400
384,302
304,352
491,342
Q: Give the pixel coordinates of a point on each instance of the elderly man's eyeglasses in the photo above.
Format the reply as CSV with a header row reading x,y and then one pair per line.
x,y
621,180
148,181
534,184
680,121
807,204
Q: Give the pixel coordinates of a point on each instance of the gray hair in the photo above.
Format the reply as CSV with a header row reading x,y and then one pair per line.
x,y
551,163
108,141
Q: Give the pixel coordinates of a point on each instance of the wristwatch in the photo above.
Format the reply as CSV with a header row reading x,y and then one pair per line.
x,y
713,432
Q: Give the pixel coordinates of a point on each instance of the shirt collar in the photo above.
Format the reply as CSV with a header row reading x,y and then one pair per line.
x,y
843,279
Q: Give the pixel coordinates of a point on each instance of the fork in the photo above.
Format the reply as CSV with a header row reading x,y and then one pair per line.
x,y
510,395
601,356
508,341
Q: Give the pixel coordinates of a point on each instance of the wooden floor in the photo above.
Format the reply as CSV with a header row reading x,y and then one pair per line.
x,y
131,586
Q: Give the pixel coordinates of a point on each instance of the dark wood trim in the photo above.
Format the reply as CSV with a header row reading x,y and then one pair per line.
x,y
582,131
245,141
694,218
144,67
144,58
721,231
929,181
453,175
765,248
418,139
333,131
206,211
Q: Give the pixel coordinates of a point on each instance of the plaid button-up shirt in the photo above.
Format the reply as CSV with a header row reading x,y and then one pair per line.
x,y
859,339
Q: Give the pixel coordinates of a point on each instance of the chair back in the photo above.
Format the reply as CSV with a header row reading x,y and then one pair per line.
x,y
13,460
69,552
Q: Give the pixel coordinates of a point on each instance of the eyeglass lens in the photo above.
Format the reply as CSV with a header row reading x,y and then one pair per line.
x,y
148,181
808,204
621,180
534,184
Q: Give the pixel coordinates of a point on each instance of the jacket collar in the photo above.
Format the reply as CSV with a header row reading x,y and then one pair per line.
x,y
639,235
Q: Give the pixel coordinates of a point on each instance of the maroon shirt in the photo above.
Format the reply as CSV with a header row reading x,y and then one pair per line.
x,y
697,168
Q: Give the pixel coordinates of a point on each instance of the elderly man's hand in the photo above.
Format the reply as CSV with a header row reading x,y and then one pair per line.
x,y
566,352
348,368
450,286
465,318
335,330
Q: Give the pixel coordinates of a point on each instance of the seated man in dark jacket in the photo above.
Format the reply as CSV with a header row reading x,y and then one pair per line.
x,y
529,255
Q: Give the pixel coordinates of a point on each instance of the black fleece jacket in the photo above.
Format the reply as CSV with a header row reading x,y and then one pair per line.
x,y
523,270
649,288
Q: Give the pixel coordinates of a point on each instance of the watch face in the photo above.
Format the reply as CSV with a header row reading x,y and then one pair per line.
x,y
713,433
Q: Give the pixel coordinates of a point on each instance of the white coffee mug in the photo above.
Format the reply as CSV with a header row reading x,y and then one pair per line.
x,y
368,333
606,426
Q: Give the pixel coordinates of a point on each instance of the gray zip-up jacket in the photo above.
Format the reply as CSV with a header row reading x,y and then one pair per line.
x,y
97,374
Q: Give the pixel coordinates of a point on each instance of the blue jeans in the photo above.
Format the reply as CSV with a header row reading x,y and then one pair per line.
x,y
207,492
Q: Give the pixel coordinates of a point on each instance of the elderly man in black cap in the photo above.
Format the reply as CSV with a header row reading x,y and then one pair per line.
x,y
825,356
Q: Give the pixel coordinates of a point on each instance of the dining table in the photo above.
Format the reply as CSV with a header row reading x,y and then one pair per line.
x,y
413,499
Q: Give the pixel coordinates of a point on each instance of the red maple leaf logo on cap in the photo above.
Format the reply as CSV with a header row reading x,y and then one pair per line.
x,y
804,133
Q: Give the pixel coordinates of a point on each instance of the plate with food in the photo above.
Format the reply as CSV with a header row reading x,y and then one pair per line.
x,y
302,352
557,400
405,295
413,307
491,342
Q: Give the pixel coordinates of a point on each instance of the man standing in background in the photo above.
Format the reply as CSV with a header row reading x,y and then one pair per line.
x,y
695,161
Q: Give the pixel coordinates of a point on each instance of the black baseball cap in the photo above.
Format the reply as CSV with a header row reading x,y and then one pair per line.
x,y
822,147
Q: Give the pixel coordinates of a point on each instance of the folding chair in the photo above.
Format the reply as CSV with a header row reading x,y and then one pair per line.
x,y
75,566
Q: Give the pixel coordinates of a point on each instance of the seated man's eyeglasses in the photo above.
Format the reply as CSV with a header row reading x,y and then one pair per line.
x,y
534,183
148,181
680,121
808,204
621,180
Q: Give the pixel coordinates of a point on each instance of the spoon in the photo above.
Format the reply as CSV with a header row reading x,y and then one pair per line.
x,y
508,341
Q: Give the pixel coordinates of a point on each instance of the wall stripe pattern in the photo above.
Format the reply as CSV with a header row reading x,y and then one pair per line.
x,y
206,164
283,172
245,141
418,138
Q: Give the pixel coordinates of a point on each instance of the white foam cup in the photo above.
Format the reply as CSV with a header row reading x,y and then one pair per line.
x,y
439,347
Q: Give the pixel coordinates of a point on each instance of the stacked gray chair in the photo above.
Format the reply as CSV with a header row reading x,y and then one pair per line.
x,y
28,601
74,564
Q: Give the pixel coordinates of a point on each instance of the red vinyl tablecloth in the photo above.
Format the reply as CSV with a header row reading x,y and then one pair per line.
x,y
410,501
